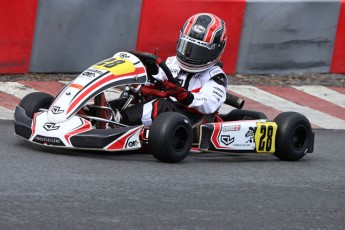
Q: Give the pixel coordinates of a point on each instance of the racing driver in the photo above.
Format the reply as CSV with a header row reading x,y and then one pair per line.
x,y
202,87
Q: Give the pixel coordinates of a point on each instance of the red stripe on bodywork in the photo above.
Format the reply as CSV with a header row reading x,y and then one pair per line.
x,y
99,83
33,124
85,126
121,142
77,86
214,138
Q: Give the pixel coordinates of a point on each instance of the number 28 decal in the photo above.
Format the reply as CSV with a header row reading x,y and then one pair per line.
x,y
117,66
265,137
110,63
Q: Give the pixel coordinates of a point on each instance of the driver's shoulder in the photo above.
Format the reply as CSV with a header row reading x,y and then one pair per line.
x,y
215,73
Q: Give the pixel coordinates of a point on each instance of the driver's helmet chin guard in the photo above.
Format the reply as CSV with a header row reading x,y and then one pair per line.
x,y
201,43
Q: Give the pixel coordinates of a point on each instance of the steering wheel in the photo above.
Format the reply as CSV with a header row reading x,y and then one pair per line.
x,y
149,59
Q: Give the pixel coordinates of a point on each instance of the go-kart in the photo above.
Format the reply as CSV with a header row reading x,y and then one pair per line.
x,y
80,117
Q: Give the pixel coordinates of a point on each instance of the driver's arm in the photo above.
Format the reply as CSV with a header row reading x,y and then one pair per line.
x,y
211,96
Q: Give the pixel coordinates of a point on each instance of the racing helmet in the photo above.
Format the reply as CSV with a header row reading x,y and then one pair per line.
x,y
201,43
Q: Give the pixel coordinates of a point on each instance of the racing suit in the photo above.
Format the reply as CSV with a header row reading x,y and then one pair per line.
x,y
206,93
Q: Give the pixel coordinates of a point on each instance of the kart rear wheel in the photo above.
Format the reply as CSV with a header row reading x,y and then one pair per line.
x,y
294,136
33,102
170,137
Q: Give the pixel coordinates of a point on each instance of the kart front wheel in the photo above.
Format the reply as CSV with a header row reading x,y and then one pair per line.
x,y
294,136
33,102
170,137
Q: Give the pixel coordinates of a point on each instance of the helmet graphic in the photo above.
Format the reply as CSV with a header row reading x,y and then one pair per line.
x,y
201,43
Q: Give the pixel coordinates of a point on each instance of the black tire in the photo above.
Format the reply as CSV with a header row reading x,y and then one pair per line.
x,y
294,135
32,102
170,137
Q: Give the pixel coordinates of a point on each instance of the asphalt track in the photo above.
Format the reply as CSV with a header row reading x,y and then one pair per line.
x,y
58,189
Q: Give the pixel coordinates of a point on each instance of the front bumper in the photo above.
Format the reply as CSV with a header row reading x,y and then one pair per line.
x,y
74,133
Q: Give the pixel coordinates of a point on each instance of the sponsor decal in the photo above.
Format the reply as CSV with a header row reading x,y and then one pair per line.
x,y
201,99
199,29
242,145
88,74
132,143
169,60
219,90
228,128
96,71
226,139
250,135
174,71
124,55
129,139
216,71
50,126
56,110
48,140
201,43
217,93
92,73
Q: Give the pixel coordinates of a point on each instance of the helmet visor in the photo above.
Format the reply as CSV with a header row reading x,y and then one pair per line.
x,y
196,51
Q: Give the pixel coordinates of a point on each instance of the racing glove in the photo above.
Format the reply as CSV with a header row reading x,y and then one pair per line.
x,y
181,94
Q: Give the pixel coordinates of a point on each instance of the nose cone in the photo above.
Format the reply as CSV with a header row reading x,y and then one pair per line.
x,y
56,114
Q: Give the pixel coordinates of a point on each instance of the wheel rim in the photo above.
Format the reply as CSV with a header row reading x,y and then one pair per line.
x,y
299,137
180,138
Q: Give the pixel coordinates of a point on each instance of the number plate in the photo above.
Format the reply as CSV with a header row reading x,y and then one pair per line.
x,y
116,66
265,137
